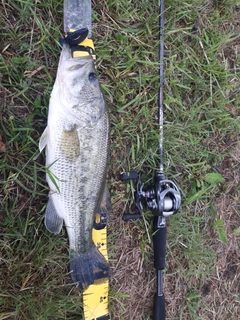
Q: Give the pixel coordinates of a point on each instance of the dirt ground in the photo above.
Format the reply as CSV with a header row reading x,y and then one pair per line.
x,y
134,276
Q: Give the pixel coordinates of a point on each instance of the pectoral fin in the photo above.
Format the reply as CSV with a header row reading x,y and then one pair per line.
x,y
44,139
52,220
70,145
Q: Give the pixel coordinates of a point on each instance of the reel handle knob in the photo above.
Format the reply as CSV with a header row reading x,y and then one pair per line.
x,y
131,216
132,175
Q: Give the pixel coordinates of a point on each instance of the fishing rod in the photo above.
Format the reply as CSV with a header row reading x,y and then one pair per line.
x,y
162,197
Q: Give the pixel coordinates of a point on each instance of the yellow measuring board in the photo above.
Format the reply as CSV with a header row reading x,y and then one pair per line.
x,y
95,297
87,43
85,48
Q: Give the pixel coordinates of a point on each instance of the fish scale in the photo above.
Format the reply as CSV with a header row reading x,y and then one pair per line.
x,y
77,195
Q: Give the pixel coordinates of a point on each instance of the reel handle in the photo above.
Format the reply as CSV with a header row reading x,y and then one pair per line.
x,y
134,176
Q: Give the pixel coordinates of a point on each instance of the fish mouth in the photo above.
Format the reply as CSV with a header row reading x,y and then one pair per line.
x,y
73,64
67,55
79,64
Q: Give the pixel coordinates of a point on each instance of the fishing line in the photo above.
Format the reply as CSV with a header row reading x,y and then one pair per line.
x,y
161,79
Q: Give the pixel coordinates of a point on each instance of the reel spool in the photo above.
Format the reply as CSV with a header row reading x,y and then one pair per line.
x,y
162,197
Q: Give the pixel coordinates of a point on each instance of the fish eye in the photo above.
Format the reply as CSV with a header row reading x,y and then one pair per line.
x,y
92,76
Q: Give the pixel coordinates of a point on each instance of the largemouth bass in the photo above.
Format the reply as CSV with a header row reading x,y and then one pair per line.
x,y
76,141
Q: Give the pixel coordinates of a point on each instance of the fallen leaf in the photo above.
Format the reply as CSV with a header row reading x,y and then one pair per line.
x,y
30,74
214,178
233,110
2,145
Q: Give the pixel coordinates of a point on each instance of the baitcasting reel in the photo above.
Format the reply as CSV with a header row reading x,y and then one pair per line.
x,y
162,197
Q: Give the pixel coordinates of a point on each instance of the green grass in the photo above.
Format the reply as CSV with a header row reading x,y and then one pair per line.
x,y
201,127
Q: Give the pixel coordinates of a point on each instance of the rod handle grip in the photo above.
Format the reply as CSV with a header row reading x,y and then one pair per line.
x,y
159,247
159,312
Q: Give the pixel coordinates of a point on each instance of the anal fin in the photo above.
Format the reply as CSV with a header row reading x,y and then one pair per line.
x,y
52,220
105,208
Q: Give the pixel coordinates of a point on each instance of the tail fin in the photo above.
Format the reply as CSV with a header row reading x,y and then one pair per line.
x,y
87,267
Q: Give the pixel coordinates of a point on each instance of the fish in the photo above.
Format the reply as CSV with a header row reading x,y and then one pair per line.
x,y
76,142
